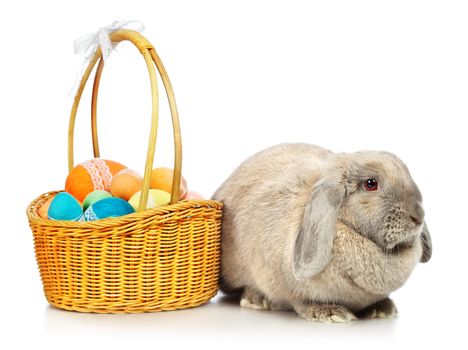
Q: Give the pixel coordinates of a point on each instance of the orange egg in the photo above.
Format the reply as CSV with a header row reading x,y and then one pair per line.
x,y
161,179
126,183
94,174
45,208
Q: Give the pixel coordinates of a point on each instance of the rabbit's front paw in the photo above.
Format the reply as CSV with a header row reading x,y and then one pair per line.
x,y
328,313
253,299
382,309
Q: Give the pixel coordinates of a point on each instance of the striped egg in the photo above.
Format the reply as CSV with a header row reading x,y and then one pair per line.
x,y
92,175
108,208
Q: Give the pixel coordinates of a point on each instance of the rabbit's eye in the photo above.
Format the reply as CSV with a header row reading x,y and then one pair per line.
x,y
371,184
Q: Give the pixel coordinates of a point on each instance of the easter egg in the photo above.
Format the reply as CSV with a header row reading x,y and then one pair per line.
x,y
45,208
94,197
126,183
65,207
193,195
108,208
156,198
161,179
94,174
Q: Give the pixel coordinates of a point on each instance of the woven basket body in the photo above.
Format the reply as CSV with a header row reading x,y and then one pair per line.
x,y
161,259
165,258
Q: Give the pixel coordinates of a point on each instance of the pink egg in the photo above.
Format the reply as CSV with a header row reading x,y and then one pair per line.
x,y
193,195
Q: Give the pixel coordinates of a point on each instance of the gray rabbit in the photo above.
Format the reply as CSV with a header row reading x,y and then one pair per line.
x,y
329,235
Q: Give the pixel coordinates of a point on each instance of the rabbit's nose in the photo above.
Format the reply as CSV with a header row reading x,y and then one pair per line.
x,y
417,214
415,220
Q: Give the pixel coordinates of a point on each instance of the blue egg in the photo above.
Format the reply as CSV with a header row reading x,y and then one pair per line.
x,y
108,208
65,207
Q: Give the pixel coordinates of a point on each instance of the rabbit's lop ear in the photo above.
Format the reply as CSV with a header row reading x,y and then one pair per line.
x,y
314,241
426,244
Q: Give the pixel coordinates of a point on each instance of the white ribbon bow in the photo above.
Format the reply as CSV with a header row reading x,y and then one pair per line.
x,y
88,44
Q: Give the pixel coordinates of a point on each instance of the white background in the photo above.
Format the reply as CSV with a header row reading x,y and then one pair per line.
x,y
346,75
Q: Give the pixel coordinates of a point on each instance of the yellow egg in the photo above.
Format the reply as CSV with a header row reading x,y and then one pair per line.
x,y
156,198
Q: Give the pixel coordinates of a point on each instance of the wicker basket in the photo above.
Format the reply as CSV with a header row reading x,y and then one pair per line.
x,y
164,258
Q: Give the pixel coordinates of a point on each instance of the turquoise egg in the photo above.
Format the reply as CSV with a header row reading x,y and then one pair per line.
x,y
108,208
94,197
65,207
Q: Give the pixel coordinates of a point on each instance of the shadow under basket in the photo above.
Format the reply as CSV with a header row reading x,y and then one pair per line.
x,y
165,258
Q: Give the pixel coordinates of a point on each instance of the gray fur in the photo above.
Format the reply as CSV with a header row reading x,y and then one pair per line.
x,y
300,232
314,241
426,243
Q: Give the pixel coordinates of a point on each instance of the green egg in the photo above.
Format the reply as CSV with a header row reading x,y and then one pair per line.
x,y
94,197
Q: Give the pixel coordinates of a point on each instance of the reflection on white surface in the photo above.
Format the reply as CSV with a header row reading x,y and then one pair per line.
x,y
222,317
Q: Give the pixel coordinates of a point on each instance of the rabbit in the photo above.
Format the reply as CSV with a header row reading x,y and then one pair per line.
x,y
328,235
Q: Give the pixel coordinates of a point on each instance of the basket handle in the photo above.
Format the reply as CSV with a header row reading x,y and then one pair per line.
x,y
152,59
